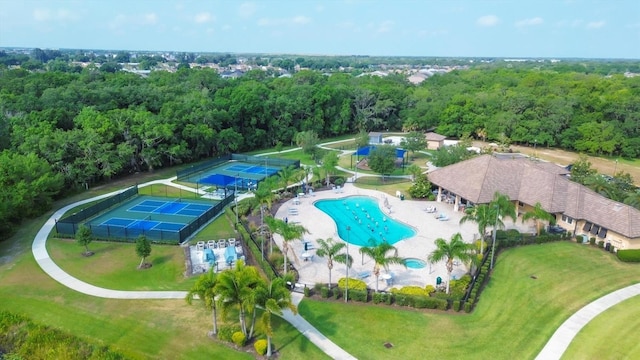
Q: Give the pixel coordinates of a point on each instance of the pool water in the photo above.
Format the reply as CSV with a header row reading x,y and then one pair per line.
x,y
413,263
366,221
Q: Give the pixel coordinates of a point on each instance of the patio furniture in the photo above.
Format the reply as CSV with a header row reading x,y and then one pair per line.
x,y
211,244
364,274
232,242
200,246
222,243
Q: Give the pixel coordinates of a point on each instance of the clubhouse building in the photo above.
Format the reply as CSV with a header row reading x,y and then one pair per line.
x,y
527,181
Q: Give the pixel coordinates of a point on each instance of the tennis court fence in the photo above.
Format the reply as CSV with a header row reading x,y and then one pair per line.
x,y
194,169
68,226
258,160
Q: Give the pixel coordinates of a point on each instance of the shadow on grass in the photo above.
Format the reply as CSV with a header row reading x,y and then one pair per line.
x,y
325,319
161,259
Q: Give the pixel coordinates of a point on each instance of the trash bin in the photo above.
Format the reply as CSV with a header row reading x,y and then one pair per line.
x,y
607,246
401,196
438,280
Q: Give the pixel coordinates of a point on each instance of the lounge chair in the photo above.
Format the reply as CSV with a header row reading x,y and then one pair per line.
x,y
211,244
222,243
364,274
232,242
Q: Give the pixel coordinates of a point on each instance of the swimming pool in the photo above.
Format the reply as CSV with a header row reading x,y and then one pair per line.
x,y
413,263
365,219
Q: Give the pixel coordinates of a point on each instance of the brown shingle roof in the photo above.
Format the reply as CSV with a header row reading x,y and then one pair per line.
x,y
431,136
530,182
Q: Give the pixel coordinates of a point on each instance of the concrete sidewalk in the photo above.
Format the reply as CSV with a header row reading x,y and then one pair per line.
x,y
559,342
41,255
311,333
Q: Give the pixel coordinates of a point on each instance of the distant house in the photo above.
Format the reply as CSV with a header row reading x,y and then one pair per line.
x,y
375,138
576,208
231,74
434,141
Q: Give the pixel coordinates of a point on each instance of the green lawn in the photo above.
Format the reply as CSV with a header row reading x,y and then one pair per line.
x,y
114,265
515,317
611,335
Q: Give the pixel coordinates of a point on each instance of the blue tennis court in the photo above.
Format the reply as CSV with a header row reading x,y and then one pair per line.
x,y
176,207
144,225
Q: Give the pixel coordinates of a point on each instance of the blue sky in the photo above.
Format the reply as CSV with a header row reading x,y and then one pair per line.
x,y
476,28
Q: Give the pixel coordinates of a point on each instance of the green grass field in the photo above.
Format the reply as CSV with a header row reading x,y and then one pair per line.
x,y
515,317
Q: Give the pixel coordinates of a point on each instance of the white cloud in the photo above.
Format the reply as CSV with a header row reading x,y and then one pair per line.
x,y
246,10
296,20
150,19
595,24
530,22
385,26
488,20
202,17
300,19
42,14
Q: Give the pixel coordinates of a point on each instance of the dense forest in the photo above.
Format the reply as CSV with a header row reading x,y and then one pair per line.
x,y
66,128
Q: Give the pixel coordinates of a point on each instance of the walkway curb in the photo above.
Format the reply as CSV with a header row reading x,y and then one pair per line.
x,y
562,338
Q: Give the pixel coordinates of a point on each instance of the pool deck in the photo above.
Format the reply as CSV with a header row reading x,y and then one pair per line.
x,y
410,212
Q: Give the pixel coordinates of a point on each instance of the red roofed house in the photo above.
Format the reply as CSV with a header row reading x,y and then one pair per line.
x,y
526,182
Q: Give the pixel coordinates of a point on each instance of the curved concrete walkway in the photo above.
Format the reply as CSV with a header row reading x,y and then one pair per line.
x,y
555,347
559,342
40,253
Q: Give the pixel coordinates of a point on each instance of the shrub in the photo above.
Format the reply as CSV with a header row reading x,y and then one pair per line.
x,y
354,284
456,305
402,300
429,289
277,259
226,332
600,244
422,302
238,338
467,307
376,298
388,299
307,291
336,293
324,292
411,290
592,241
260,346
359,295
441,304
612,249
631,255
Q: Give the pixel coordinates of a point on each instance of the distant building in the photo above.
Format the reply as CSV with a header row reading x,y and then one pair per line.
x,y
577,208
434,141
375,138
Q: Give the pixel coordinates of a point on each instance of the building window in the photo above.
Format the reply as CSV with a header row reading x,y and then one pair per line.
x,y
567,219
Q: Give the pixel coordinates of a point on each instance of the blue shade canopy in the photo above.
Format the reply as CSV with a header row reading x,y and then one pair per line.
x,y
364,151
219,180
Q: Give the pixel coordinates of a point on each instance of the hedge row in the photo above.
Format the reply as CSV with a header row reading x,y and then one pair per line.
x,y
396,298
631,255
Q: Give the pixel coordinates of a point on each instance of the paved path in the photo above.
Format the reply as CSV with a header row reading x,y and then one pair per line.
x,y
40,253
311,333
559,342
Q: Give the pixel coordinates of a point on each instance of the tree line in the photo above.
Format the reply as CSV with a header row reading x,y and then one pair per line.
x,y
73,129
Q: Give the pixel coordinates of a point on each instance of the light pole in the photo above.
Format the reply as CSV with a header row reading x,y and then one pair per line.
x,y
495,230
235,197
615,168
346,287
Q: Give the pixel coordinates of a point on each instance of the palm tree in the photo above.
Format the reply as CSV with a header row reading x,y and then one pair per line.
x,y
273,298
380,256
286,175
483,215
264,196
537,214
505,208
235,288
456,248
289,232
331,250
205,289
633,199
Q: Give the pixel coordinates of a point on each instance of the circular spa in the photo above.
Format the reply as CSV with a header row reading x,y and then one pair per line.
x,y
413,263
365,220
